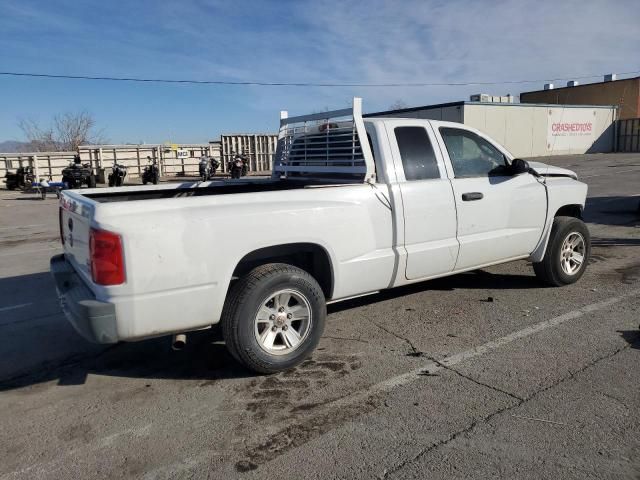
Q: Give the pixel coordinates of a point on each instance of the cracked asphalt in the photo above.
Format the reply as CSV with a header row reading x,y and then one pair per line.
x,y
486,374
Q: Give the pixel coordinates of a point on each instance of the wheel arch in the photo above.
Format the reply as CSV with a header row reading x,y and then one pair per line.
x,y
310,257
569,210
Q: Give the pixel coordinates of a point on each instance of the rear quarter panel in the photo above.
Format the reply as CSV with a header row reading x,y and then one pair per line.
x,y
180,253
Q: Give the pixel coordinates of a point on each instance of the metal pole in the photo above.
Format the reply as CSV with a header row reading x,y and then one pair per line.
x,y
35,167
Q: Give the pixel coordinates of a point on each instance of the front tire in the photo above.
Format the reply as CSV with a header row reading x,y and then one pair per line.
x,y
567,254
273,318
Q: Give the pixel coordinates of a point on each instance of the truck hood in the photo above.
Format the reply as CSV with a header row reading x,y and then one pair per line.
x,y
551,171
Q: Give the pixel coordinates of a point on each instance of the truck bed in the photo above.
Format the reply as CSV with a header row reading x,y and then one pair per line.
x,y
196,189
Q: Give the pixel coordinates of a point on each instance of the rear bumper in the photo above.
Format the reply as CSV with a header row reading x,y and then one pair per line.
x,y
93,319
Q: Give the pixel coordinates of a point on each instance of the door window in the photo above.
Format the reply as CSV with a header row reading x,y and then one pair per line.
x,y
418,158
471,155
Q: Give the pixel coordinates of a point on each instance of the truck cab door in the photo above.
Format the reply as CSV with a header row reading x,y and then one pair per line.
x,y
429,209
500,216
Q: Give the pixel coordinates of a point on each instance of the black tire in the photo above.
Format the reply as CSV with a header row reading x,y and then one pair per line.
x,y
156,179
112,180
91,182
243,302
550,270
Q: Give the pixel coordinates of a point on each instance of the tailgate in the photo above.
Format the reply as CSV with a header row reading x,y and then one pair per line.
x,y
76,214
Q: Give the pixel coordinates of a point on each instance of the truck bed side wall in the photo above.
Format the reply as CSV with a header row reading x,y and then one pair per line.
x,y
180,253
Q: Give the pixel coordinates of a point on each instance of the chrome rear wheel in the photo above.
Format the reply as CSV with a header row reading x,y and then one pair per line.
x,y
283,322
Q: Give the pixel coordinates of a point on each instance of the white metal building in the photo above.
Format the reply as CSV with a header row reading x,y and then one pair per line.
x,y
528,130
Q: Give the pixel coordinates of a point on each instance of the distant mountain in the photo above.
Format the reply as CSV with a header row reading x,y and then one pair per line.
x,y
10,146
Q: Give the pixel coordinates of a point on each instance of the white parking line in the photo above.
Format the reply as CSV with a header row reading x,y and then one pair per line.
x,y
609,173
25,226
14,307
52,248
432,367
360,396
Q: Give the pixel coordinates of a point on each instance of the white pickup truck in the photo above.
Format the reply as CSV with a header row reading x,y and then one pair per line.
x,y
355,204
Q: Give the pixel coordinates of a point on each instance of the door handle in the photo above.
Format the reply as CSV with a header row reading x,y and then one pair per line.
x,y
470,196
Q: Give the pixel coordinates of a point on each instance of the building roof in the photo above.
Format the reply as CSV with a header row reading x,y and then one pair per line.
x,y
492,104
581,85
415,109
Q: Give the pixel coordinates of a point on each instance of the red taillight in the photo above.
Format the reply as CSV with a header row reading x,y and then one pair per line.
x,y
60,223
107,265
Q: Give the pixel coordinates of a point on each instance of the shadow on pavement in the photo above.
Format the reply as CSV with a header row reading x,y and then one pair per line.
x,y
614,210
632,337
204,358
615,242
474,280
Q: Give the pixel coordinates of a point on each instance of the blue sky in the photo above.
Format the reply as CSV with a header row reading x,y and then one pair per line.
x,y
292,41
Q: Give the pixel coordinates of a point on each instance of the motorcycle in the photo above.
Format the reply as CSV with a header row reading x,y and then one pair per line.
x,y
116,177
237,167
204,169
23,178
151,172
77,174
215,164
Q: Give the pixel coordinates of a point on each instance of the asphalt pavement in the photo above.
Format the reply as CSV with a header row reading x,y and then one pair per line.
x,y
486,374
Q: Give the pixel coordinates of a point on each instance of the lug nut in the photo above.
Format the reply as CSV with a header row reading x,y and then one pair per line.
x,y
274,328
289,316
284,327
272,317
281,309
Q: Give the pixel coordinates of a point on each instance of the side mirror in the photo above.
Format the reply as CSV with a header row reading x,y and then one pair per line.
x,y
519,166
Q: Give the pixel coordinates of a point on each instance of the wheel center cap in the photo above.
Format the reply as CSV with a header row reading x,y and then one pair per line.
x,y
281,319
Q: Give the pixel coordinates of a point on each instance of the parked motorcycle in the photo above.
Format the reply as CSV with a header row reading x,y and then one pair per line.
x,y
77,174
204,168
151,172
237,166
215,164
116,177
23,178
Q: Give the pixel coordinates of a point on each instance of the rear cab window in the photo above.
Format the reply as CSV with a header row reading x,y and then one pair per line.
x,y
418,158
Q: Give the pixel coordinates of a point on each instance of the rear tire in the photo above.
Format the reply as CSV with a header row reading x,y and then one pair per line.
x,y
567,254
273,318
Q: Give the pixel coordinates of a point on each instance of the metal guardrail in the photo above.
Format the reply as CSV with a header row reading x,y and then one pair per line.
x,y
260,150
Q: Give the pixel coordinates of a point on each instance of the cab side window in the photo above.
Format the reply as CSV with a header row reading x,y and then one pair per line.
x,y
471,155
416,152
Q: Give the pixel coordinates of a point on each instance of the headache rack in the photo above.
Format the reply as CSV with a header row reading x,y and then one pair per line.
x,y
325,146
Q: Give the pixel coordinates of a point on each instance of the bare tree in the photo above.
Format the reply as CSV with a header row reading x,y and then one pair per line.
x,y
67,132
398,104
40,140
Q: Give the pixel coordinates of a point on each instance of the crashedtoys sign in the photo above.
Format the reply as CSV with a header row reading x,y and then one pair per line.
x,y
570,129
